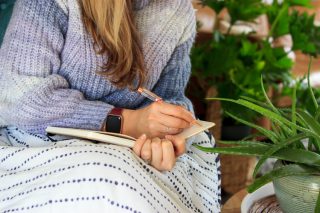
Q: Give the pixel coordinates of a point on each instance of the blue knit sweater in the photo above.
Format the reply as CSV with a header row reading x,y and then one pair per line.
x,y
48,67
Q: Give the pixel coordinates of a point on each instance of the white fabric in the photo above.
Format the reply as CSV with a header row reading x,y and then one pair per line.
x,y
37,175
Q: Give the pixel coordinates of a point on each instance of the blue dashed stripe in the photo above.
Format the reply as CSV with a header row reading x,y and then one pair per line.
x,y
111,202
193,181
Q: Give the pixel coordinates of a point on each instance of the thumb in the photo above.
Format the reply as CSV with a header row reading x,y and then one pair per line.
x,y
179,144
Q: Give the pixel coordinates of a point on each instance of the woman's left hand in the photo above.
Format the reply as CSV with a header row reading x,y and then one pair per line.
x,y
158,153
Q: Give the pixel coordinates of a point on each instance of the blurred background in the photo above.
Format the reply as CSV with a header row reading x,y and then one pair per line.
x,y
237,43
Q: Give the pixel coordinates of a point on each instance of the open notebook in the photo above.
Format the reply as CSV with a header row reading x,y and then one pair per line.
x,y
120,139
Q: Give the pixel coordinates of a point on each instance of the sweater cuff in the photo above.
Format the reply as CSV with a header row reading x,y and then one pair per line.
x,y
90,115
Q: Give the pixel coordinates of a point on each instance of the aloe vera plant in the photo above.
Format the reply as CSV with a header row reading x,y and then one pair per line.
x,y
289,128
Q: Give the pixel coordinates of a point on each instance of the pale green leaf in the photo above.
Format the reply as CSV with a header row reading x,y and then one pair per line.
x,y
287,170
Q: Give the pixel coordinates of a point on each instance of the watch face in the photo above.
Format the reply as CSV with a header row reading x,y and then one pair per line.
x,y
114,123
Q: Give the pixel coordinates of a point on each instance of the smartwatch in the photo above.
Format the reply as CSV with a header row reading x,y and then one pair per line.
x,y
114,120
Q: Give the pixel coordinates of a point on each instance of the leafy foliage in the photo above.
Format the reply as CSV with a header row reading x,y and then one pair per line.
x,y
289,127
234,63
305,35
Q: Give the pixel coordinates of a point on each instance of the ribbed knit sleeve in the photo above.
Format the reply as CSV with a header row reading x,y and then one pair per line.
x,y
33,96
173,80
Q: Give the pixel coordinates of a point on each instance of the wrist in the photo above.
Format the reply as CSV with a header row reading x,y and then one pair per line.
x,y
128,127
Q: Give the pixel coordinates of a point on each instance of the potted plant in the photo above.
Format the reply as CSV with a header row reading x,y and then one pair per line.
x,y
241,48
235,57
296,176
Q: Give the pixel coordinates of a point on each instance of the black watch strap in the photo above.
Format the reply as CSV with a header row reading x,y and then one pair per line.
x,y
114,120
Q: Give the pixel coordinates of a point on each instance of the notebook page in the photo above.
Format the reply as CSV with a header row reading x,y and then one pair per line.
x,y
196,129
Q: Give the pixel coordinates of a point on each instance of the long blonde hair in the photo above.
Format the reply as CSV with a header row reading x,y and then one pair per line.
x,y
111,24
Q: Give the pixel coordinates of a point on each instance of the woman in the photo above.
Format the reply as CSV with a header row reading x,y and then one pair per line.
x,y
78,64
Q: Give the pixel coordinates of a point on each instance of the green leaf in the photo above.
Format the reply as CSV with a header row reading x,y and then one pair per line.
x,y
269,114
272,136
276,148
293,108
250,150
317,114
245,10
281,21
216,5
245,143
287,170
313,125
287,154
267,98
310,121
248,48
284,62
303,3
275,128
298,156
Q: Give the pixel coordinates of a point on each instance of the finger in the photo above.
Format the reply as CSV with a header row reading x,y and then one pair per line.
x,y
168,156
173,122
179,144
156,152
138,144
176,111
146,150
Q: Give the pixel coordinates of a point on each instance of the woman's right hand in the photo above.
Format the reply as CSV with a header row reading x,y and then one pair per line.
x,y
156,120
